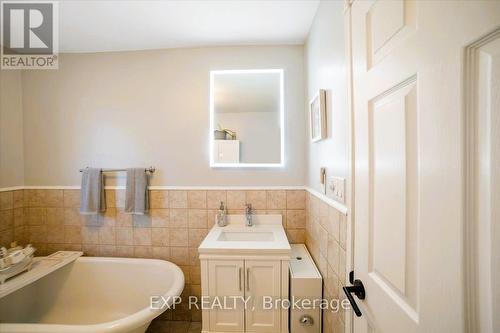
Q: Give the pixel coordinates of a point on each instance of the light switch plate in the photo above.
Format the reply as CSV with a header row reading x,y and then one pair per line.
x,y
336,186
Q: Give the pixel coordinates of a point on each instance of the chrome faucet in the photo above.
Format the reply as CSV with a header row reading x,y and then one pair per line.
x,y
248,215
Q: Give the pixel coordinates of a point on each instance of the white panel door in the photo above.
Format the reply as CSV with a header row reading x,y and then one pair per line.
x,y
225,280
262,278
408,159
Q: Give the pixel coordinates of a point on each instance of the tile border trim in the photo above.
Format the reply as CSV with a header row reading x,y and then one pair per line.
x,y
335,204
339,206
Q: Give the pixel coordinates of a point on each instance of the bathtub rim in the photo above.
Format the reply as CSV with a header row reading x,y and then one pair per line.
x,y
133,321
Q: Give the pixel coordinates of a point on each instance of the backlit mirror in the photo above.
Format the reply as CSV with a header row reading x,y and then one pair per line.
x,y
246,118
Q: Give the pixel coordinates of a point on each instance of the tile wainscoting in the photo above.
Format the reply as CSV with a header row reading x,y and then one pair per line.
x,y
326,238
176,224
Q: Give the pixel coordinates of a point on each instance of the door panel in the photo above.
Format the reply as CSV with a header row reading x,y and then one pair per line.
x,y
262,278
408,153
226,280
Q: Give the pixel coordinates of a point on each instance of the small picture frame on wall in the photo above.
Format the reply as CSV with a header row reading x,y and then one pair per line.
x,y
317,116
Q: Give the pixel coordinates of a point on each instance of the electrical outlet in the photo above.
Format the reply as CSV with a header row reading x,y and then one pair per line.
x,y
336,185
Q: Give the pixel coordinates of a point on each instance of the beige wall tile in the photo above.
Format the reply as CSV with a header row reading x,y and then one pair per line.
x,y
6,237
177,199
71,198
158,199
161,252
343,231
323,242
55,216
106,250
124,236
194,258
35,216
107,236
55,234
160,218
6,200
90,250
197,199
295,199
124,251
258,199
179,255
72,234
197,218
195,275
108,218
333,223
179,237
196,236
142,236
90,235
123,219
178,218
72,247
214,198
141,221
236,199
276,199
18,197
143,252
52,198
333,254
18,217
160,237
296,236
295,219
6,220
342,265
72,216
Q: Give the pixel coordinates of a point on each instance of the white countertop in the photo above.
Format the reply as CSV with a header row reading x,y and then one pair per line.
x,y
236,224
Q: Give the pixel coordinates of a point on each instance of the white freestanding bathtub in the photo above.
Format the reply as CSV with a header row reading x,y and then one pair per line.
x,y
92,295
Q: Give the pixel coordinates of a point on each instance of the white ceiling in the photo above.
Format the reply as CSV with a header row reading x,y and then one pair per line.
x,y
105,25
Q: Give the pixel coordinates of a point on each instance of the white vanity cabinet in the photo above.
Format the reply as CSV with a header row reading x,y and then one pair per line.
x,y
245,270
253,279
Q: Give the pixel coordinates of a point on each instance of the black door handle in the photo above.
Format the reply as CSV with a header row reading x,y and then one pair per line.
x,y
357,289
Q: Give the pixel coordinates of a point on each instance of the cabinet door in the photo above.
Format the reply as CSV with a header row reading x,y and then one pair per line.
x,y
262,279
225,281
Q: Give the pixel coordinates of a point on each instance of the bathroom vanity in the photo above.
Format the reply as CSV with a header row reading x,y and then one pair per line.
x,y
241,264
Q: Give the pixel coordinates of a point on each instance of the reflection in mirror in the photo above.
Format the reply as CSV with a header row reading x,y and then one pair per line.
x,y
246,118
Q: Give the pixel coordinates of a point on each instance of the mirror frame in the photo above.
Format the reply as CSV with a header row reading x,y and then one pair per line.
x,y
281,164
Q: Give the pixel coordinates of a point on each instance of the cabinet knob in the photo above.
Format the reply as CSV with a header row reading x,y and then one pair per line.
x,y
306,320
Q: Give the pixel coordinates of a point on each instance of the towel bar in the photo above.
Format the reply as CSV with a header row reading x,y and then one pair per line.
x,y
150,169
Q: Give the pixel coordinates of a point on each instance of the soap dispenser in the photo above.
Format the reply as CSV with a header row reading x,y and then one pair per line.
x,y
221,215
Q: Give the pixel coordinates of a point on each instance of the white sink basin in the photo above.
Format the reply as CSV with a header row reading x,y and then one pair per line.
x,y
265,236
235,236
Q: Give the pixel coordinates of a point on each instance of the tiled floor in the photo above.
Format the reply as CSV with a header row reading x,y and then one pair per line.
x,y
164,326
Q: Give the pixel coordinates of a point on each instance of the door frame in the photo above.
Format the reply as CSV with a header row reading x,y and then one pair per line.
x,y
348,317
472,125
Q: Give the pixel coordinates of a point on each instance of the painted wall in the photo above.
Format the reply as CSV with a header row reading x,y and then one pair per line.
x,y
11,129
326,68
148,108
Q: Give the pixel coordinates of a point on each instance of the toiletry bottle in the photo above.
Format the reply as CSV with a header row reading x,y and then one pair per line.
x,y
221,215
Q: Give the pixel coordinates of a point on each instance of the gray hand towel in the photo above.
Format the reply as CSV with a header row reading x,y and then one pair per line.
x,y
136,194
92,199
